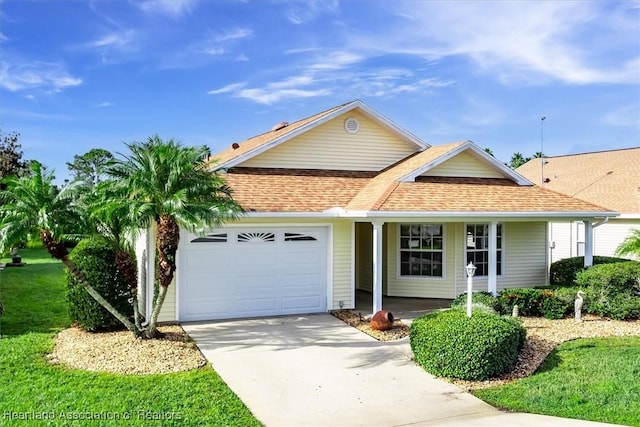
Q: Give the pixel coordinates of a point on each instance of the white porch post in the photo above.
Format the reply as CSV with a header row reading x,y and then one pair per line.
x,y
377,266
493,259
588,243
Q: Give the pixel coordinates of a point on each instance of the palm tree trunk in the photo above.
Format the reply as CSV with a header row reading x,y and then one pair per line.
x,y
152,327
167,241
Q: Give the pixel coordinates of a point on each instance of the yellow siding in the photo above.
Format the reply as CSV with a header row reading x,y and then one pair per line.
x,y
464,165
168,312
563,238
329,146
525,259
342,264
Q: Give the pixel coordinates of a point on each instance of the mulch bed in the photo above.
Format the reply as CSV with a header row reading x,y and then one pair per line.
x,y
399,330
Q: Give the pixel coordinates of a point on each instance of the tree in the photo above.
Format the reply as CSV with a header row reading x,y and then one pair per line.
x,y
489,151
630,245
169,185
11,162
32,205
517,160
90,167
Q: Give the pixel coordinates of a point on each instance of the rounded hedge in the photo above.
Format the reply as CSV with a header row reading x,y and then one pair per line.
x,y
482,297
448,344
97,260
564,271
612,290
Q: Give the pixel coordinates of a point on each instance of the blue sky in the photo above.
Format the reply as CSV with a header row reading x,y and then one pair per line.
x,y
76,75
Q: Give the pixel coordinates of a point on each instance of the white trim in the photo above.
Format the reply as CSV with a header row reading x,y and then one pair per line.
x,y
492,283
399,249
329,255
464,215
378,260
372,114
479,153
353,265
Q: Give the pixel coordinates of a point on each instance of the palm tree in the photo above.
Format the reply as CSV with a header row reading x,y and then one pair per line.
x,y
32,205
630,245
169,185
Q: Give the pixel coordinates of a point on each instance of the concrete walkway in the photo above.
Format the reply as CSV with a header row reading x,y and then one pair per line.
x,y
317,371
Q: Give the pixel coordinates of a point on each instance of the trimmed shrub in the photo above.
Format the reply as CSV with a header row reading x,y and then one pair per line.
x,y
612,290
96,259
483,297
568,296
448,344
534,303
563,272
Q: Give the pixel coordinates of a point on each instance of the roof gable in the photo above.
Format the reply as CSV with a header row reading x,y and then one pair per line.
x,y
331,145
607,178
253,147
465,160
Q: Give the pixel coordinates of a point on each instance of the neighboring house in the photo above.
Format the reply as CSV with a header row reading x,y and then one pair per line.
x,y
347,200
606,178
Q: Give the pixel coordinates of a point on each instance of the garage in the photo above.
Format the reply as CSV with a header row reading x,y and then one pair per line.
x,y
252,271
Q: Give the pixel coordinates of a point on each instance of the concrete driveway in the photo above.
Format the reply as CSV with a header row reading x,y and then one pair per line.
x,y
317,371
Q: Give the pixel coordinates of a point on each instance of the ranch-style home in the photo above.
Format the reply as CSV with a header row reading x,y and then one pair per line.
x,y
347,200
607,178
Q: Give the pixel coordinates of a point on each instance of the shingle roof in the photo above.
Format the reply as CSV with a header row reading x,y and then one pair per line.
x,y
443,194
607,178
291,190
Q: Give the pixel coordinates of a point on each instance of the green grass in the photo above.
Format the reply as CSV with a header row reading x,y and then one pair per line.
x,y
595,379
35,308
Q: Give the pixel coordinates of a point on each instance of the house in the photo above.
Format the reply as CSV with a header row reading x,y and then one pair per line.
x,y
607,178
347,200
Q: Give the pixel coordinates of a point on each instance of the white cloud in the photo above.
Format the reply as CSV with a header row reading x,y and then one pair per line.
x,y
105,104
3,38
268,96
228,88
518,41
115,40
308,10
233,34
51,77
336,60
624,116
172,8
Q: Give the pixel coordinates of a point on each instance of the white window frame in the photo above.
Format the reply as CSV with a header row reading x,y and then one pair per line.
x,y
399,251
500,257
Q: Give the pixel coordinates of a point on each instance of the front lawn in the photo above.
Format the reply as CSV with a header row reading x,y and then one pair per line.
x,y
32,389
593,379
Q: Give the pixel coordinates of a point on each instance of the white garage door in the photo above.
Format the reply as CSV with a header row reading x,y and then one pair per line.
x,y
249,272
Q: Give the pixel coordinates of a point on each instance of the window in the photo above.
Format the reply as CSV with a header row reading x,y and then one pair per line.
x,y
256,237
298,237
421,250
477,242
211,238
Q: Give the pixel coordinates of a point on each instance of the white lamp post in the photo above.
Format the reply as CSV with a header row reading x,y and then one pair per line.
x,y
471,270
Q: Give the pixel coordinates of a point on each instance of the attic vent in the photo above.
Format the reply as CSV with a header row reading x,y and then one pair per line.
x,y
279,126
235,145
352,125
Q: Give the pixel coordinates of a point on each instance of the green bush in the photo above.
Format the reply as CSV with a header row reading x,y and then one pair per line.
x,y
563,272
612,290
483,297
449,344
96,259
534,303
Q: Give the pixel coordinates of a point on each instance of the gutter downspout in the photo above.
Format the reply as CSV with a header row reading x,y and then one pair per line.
x,y
598,224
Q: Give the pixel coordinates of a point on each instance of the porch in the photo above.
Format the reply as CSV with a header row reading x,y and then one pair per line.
x,y
402,308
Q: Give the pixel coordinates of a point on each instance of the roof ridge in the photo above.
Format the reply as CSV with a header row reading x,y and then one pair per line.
x,y
384,196
592,152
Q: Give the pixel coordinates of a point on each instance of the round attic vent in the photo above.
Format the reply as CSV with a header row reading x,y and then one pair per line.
x,y
352,125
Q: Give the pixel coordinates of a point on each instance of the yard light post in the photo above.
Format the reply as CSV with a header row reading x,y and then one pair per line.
x,y
471,270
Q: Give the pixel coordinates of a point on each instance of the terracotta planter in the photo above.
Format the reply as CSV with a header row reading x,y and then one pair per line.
x,y
382,320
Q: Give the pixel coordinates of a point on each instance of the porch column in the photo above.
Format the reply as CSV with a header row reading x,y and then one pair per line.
x,y
377,266
588,243
493,259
